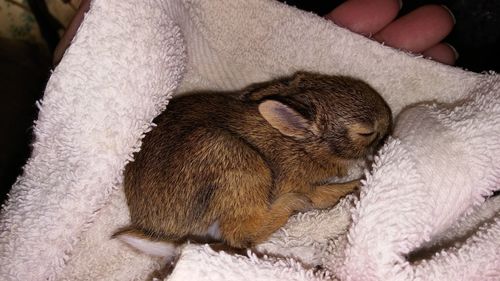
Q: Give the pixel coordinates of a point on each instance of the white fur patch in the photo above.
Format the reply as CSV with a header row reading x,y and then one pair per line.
x,y
153,248
356,170
214,231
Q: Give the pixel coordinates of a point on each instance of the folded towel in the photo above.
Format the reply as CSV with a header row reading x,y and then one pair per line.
x,y
425,194
441,164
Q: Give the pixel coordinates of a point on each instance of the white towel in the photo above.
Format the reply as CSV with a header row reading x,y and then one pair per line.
x,y
426,191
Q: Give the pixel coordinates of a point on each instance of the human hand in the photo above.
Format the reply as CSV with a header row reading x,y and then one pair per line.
x,y
421,31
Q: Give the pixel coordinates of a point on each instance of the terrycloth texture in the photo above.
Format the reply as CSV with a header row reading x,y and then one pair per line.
x,y
442,163
426,190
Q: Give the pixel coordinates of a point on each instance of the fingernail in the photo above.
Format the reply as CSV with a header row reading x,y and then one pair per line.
x,y
451,14
400,4
457,55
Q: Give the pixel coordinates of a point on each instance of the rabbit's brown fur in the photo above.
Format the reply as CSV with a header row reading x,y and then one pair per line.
x,y
245,162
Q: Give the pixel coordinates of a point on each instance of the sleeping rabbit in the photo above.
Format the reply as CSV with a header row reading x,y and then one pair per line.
x,y
233,167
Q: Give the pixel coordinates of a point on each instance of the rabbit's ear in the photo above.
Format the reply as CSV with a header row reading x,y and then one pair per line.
x,y
299,77
285,119
284,86
258,91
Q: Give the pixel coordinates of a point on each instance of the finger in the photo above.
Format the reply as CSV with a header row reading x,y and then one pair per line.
x,y
418,30
365,16
443,53
70,31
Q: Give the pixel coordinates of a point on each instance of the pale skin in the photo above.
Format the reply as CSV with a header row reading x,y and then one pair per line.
x,y
420,31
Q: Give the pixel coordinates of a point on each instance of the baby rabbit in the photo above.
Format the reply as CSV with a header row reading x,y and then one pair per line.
x,y
234,167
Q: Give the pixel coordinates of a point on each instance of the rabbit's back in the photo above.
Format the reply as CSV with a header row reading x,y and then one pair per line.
x,y
192,171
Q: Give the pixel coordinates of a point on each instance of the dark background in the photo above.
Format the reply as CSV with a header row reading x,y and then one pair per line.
x,y
25,67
